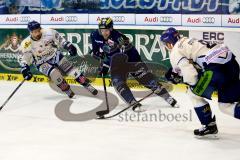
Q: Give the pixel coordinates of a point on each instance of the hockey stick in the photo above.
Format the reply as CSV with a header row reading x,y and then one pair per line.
x,y
12,94
103,112
116,114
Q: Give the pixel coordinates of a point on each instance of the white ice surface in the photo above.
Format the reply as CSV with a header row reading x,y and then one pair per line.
x,y
30,130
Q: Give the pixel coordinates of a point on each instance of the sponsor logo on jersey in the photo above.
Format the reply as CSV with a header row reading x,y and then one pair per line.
x,y
98,41
27,44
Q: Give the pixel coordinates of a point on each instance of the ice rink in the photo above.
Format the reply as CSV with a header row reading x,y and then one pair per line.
x,y
30,130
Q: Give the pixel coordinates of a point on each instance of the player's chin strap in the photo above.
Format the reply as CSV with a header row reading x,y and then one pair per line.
x,y
12,94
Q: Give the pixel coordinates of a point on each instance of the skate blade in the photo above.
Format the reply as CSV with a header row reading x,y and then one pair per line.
x,y
101,118
176,106
139,110
208,137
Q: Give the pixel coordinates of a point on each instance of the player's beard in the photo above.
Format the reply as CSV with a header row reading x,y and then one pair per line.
x,y
37,37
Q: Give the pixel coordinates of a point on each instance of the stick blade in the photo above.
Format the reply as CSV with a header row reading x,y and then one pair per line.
x,y
101,114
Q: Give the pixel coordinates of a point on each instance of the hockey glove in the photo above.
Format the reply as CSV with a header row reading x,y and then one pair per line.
x,y
26,72
173,77
103,69
70,48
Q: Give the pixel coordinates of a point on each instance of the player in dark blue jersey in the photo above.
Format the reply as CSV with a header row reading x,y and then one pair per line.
x,y
120,57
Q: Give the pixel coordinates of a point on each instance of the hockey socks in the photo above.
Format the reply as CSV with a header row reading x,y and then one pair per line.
x,y
64,86
86,84
204,114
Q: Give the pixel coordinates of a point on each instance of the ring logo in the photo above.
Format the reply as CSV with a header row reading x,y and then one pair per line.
x,y
71,18
24,19
166,19
208,20
118,19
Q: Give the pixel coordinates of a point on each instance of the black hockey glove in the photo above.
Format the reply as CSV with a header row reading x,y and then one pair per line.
x,y
173,77
70,48
122,41
124,44
26,72
103,69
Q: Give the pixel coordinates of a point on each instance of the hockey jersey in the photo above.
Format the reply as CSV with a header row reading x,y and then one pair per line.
x,y
113,45
40,51
198,51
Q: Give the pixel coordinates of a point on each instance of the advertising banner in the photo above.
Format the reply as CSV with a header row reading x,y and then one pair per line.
x,y
188,20
147,42
120,6
18,19
201,20
231,39
231,20
126,19
60,19
159,19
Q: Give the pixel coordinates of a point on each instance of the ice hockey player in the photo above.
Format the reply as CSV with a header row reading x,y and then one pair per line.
x,y
206,68
41,48
107,42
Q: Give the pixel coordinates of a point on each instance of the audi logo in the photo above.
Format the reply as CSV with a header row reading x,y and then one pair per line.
x,y
24,19
166,19
208,20
71,18
118,19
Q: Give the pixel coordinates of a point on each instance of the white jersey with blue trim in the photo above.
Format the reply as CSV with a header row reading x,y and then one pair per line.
x,y
42,50
198,51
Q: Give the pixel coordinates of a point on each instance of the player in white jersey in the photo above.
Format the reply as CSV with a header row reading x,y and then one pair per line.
x,y
205,68
41,48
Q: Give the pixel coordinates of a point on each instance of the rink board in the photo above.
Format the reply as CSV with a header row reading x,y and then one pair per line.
x,y
133,84
96,81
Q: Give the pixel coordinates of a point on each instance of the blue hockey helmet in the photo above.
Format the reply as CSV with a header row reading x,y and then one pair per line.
x,y
170,36
32,25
